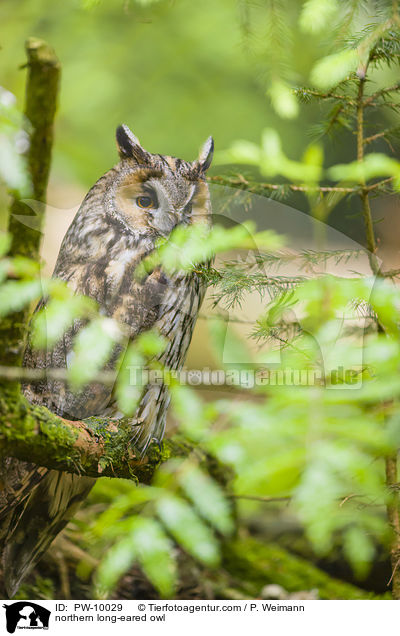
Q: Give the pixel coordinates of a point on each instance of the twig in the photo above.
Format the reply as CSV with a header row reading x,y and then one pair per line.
x,y
36,375
366,209
260,498
226,319
389,104
378,184
393,573
346,499
240,182
329,95
371,138
63,573
391,273
382,91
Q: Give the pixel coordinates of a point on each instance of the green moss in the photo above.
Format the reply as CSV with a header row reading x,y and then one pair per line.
x,y
33,433
259,564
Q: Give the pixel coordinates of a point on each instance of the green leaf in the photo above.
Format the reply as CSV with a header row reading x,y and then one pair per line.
x,y
23,267
228,346
119,558
283,100
5,243
15,295
359,550
207,496
188,245
13,164
151,343
316,15
130,380
188,530
241,151
334,68
189,410
385,301
374,165
270,159
57,317
155,554
92,348
107,524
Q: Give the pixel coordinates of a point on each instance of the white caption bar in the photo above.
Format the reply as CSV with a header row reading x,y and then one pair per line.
x,y
194,617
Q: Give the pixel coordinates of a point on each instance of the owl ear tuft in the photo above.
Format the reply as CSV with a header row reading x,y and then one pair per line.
x,y
206,154
129,145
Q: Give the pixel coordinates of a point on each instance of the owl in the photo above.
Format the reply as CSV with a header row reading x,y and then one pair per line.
x,y
144,197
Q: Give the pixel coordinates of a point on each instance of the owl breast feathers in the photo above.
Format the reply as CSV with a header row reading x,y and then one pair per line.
x,y
144,197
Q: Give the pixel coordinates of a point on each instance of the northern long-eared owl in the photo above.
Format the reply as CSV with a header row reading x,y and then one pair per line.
x,y
144,197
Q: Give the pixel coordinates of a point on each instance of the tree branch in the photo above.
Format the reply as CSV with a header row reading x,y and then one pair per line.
x,y
27,374
95,447
328,95
392,506
40,107
242,183
364,192
380,93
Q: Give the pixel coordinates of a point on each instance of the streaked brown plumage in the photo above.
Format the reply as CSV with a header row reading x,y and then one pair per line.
x,y
112,232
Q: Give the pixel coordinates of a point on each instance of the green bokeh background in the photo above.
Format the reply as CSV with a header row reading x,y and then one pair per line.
x,y
175,72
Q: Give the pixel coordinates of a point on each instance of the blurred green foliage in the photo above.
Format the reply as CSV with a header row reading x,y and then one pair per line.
x,y
178,71
175,72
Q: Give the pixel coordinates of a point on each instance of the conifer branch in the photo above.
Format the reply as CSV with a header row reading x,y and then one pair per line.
x,y
381,92
240,182
366,208
304,92
391,273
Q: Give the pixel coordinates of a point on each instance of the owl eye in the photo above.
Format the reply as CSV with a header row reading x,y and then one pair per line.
x,y
145,201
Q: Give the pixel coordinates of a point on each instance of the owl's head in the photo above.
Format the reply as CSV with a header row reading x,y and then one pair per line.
x,y
157,192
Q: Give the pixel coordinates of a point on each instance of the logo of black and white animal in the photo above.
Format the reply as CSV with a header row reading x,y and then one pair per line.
x,y
26,615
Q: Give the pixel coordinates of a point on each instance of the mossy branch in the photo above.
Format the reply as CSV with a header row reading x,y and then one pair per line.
x,y
24,223
257,563
40,107
95,447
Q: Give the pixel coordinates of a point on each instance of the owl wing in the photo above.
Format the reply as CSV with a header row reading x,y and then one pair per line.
x,y
134,303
